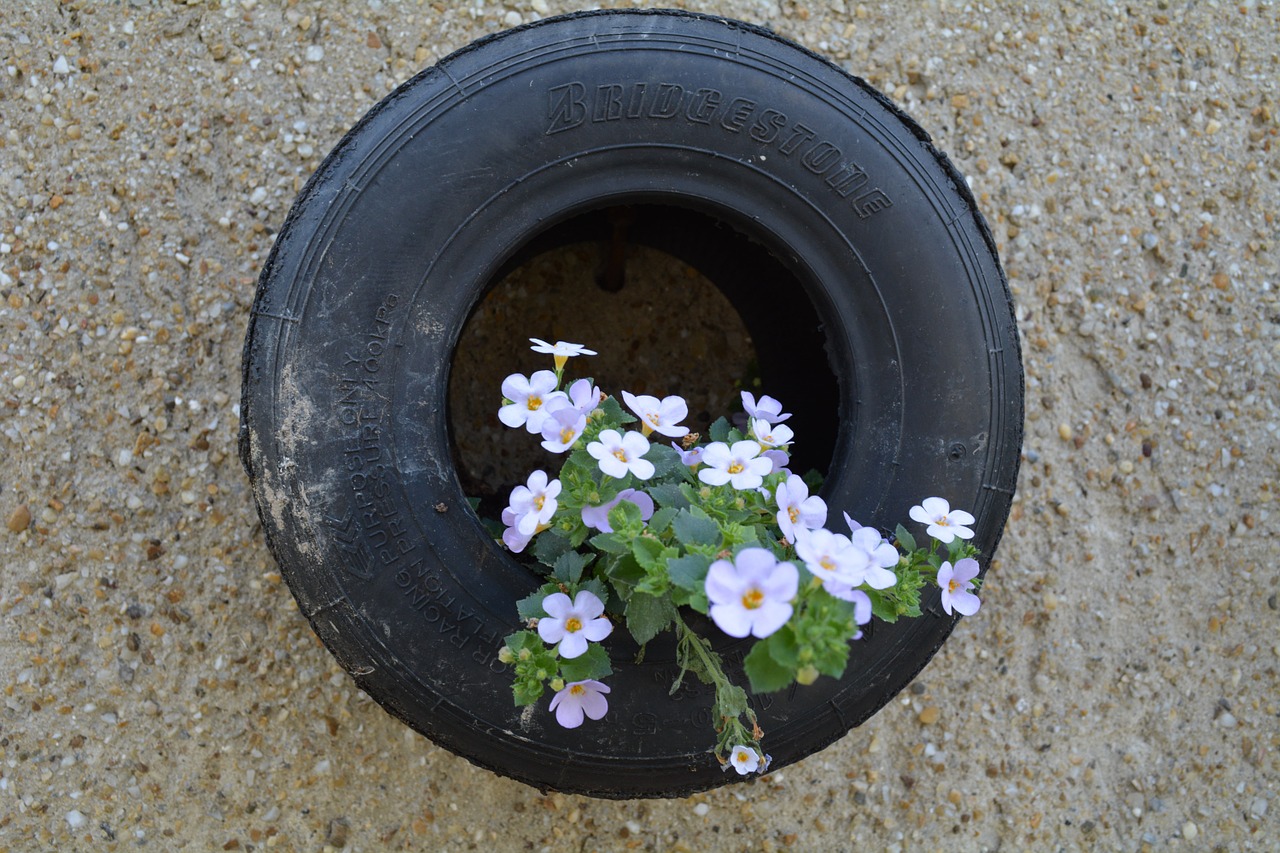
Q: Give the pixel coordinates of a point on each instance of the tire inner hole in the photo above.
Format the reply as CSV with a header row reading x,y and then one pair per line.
x,y
674,302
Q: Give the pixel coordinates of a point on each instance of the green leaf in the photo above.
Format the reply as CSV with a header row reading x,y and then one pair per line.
x,y
905,539
720,429
661,520
689,572
610,543
595,586
549,546
625,518
531,606
695,527
594,663
765,673
614,413
648,552
526,691
647,616
624,573
665,459
669,495
568,568
784,648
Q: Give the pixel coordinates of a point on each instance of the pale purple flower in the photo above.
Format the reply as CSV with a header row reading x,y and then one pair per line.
x,y
878,557
513,538
660,416
831,558
779,458
620,454
745,760
945,523
853,525
529,397
598,516
751,595
692,457
562,428
740,465
583,396
861,610
560,350
767,408
771,436
573,623
797,508
534,503
579,699
955,583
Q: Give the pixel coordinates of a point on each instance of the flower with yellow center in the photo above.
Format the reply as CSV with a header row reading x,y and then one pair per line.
x,y
561,351
580,699
619,454
752,594
741,465
573,623
660,416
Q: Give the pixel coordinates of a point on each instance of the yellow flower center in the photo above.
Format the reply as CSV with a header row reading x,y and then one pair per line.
x,y
534,402
566,435
942,521
752,599
828,564
539,501
577,690
742,757
953,585
794,513
653,418
573,624
620,455
735,467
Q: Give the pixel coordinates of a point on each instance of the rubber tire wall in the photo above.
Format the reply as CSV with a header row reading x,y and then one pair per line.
x,y
393,241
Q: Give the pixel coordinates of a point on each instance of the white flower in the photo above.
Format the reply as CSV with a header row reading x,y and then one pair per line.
x,y
861,610
561,350
771,436
831,558
582,396
744,759
573,623
956,583
692,458
534,503
660,416
878,557
529,398
740,465
945,523
797,509
751,595
562,428
579,698
768,408
779,458
512,537
619,454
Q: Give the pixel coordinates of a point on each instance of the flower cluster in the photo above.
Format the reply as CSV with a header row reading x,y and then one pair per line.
x,y
637,531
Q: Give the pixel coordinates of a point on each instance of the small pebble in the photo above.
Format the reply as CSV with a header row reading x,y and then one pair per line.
x,y
60,66
1065,432
929,715
701,809
76,819
1190,831
513,19
315,53
19,520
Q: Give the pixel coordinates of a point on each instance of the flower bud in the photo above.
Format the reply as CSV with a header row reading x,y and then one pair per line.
x,y
807,674
506,655
541,675
525,654
557,684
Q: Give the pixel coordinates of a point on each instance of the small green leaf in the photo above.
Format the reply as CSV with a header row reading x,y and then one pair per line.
x,y
614,413
625,518
689,572
784,648
568,568
669,495
610,543
665,459
661,520
765,673
695,527
530,607
719,430
526,691
905,539
647,616
594,663
549,546
624,573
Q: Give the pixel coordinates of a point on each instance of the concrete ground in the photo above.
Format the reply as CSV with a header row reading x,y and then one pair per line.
x,y
1119,689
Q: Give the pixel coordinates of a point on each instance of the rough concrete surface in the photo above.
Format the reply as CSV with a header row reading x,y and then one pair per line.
x,y
1119,689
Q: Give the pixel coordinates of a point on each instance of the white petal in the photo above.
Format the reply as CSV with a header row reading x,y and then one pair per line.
x,y
588,605
732,619
573,645
557,604
769,617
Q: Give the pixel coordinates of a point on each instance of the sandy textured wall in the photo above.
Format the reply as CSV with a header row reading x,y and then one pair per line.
x,y
1118,690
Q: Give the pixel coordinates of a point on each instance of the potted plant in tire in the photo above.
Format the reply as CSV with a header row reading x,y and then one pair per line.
x,y
893,335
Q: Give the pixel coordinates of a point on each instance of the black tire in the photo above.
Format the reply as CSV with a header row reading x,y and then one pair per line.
x,y
394,240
